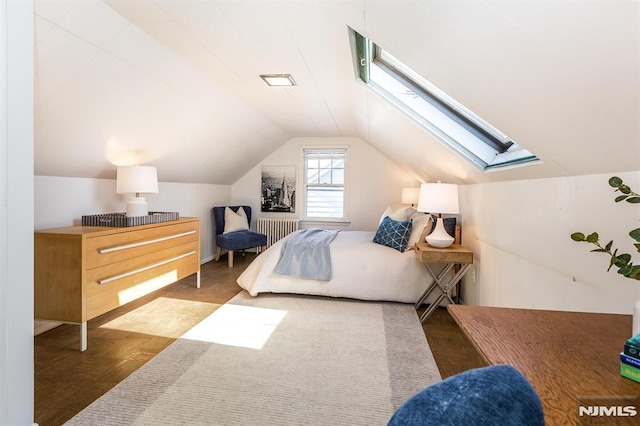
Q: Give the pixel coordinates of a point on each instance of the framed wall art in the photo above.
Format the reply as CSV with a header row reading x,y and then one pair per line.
x,y
278,189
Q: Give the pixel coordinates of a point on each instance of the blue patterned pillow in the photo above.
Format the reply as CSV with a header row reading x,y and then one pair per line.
x,y
393,234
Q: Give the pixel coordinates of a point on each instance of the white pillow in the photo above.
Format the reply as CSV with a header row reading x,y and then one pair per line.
x,y
418,222
399,216
235,221
410,211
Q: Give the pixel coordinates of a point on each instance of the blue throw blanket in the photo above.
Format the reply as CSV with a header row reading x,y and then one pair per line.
x,y
305,254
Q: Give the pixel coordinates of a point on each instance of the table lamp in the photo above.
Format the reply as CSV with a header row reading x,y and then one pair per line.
x,y
136,180
439,198
410,196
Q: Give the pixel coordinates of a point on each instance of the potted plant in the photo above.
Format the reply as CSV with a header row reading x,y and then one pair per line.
x,y
623,262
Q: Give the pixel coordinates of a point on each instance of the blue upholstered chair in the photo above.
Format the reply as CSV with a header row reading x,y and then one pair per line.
x,y
234,241
496,395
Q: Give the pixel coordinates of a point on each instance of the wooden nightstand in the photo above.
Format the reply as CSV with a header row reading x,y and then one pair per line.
x,y
455,255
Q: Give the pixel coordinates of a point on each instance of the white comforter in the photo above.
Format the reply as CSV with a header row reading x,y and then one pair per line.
x,y
361,269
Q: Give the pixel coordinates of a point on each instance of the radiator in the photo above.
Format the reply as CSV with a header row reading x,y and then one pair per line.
x,y
275,229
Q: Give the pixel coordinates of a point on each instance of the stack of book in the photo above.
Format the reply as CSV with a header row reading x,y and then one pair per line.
x,y
630,359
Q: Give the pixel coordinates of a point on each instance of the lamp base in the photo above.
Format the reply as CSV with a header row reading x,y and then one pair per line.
x,y
136,206
439,238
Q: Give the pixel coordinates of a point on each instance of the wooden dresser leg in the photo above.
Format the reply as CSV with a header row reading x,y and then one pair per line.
x,y
198,279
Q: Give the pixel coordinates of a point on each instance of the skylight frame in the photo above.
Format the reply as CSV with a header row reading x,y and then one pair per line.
x,y
438,113
278,80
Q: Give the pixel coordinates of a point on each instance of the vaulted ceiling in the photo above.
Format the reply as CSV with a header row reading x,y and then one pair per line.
x,y
175,83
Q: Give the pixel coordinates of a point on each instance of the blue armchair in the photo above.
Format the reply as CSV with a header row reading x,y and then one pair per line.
x,y
238,240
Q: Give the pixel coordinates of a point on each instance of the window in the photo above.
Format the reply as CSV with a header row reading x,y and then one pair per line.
x,y
325,184
446,119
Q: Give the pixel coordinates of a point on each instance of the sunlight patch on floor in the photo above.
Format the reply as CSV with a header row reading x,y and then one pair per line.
x,y
164,316
236,325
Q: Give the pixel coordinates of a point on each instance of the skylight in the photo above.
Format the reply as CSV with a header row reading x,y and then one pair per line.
x,y
278,79
435,111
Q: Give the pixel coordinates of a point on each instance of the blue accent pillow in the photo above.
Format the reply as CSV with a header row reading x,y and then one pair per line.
x,y
393,234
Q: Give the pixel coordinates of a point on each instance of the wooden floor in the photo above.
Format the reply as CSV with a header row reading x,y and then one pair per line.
x,y
67,380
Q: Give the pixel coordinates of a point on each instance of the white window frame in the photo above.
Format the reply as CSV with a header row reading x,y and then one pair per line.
x,y
345,194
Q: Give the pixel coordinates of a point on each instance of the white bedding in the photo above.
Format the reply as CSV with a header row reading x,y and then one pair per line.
x,y
361,269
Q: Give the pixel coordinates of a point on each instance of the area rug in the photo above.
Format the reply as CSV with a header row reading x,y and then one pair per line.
x,y
278,360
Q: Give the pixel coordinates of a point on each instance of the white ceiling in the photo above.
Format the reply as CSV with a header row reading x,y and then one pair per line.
x,y
175,83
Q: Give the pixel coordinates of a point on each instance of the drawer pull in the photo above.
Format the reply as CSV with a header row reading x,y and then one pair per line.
x,y
144,243
146,268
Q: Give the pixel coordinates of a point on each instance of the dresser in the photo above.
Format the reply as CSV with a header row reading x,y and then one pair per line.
x,y
81,272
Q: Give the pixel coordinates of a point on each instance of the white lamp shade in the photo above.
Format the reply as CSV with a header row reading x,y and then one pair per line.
x,y
137,179
410,195
439,198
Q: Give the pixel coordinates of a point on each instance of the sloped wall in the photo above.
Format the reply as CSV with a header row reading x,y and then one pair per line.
x,y
524,257
375,182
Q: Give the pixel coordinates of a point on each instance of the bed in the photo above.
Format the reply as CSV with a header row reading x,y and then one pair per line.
x,y
361,269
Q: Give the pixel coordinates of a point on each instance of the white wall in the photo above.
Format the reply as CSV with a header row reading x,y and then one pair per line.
x,y
16,212
376,183
519,233
62,201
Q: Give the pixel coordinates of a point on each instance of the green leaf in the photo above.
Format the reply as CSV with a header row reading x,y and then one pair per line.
x,y
608,246
635,273
599,250
637,247
592,238
635,234
577,236
625,270
624,189
621,198
615,181
613,261
623,260
633,200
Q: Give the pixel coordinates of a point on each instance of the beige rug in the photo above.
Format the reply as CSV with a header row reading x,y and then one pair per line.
x,y
278,360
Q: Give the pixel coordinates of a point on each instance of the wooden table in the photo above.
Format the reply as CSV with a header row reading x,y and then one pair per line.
x,y
454,257
565,355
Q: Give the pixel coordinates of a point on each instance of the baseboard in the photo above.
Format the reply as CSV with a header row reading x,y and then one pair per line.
x,y
40,326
